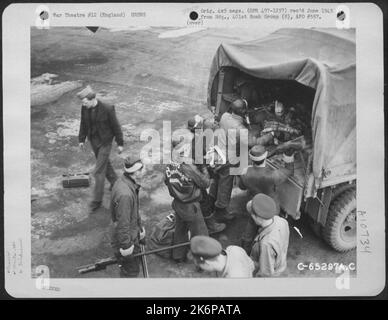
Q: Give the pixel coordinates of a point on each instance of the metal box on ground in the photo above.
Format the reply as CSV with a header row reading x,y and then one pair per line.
x,y
76,180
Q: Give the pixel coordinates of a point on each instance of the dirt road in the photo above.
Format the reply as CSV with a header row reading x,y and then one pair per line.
x,y
150,79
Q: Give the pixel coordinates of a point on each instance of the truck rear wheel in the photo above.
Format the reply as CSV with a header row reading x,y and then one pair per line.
x,y
341,225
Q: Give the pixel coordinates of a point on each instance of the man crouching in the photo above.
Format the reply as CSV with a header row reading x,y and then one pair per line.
x,y
127,227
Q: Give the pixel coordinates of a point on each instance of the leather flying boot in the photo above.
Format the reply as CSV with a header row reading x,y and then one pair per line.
x,y
213,226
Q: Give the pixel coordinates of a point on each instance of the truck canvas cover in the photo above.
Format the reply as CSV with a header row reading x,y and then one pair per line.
x,y
323,59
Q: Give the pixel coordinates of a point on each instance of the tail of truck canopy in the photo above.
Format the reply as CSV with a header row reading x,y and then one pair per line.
x,y
323,59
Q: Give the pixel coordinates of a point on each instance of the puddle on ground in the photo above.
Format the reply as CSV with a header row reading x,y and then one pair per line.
x,y
45,93
68,62
107,96
168,106
45,223
66,130
68,245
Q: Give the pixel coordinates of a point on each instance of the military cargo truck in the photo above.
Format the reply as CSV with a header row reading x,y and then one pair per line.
x,y
314,71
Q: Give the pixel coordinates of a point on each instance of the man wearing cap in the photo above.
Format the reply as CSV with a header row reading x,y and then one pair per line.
x,y
259,178
100,125
127,227
269,251
222,185
233,262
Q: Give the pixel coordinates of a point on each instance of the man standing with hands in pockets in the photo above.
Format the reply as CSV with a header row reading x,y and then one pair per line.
x,y
100,125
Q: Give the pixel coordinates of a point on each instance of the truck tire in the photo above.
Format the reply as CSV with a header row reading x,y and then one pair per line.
x,y
341,225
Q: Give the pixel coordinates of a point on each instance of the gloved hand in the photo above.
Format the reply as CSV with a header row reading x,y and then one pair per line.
x,y
127,252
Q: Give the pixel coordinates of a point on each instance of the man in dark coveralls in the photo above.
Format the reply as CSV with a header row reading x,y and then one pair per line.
x,y
100,125
186,182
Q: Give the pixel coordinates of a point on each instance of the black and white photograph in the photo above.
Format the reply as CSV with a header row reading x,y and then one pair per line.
x,y
207,152
284,88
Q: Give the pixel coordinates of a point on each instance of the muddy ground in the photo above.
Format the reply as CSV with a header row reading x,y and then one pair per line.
x,y
150,79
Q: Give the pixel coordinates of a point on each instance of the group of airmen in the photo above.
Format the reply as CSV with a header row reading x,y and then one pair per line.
x,y
201,192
